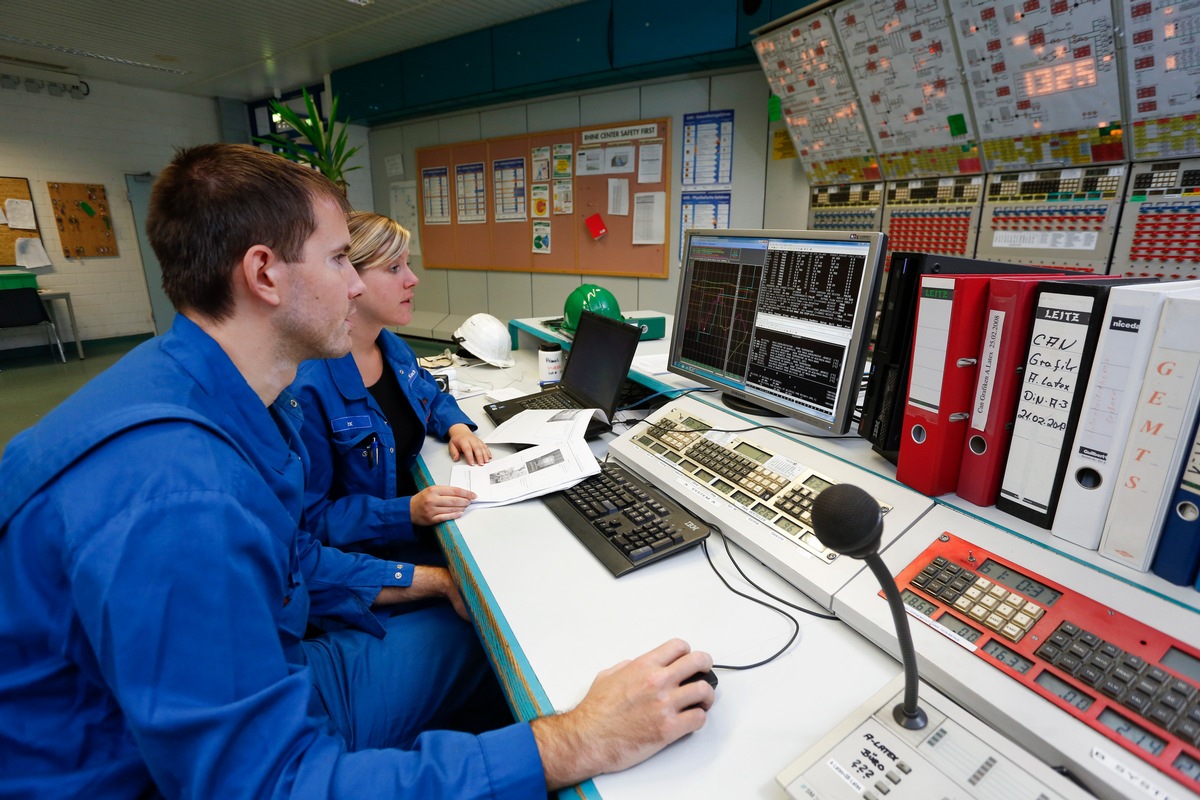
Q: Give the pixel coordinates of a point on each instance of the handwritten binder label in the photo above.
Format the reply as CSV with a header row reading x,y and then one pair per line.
x,y
1047,393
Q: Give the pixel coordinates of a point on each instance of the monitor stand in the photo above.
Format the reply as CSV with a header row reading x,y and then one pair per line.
x,y
747,407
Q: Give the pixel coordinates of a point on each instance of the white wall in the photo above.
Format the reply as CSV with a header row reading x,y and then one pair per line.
x,y
119,130
358,181
114,131
507,294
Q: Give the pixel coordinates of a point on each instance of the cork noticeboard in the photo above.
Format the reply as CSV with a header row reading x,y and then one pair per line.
x,y
83,218
494,204
16,190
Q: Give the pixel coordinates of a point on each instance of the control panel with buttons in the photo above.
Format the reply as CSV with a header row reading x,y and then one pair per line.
x,y
757,485
771,487
1133,684
870,756
933,215
1053,217
1160,225
845,207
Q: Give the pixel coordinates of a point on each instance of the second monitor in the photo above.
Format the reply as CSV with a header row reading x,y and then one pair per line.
x,y
779,321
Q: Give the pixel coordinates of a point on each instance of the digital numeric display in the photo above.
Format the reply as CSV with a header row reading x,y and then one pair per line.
x,y
1132,732
1063,690
1035,590
914,600
1006,656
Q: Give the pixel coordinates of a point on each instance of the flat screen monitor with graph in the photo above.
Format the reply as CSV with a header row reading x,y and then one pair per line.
x,y
778,321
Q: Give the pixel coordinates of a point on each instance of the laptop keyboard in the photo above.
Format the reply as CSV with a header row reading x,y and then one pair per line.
x,y
549,400
624,521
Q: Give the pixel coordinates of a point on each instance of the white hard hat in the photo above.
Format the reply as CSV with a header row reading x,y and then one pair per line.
x,y
486,337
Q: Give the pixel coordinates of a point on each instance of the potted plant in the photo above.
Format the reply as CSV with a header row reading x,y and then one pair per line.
x,y
319,146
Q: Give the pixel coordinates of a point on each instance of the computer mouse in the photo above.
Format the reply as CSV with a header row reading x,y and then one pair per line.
x,y
707,676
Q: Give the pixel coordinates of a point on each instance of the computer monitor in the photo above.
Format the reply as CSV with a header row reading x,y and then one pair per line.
x,y
778,321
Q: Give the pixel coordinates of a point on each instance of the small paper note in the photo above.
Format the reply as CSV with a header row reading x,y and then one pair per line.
x,y
541,236
20,214
31,254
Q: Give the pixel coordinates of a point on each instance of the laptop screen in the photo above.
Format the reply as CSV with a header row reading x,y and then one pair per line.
x,y
601,354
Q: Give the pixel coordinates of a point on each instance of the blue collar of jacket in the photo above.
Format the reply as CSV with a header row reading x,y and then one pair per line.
x,y
230,401
349,381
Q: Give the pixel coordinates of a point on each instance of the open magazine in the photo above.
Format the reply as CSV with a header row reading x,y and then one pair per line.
x,y
529,473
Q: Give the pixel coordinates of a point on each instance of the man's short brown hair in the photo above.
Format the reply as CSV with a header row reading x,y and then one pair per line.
x,y
216,201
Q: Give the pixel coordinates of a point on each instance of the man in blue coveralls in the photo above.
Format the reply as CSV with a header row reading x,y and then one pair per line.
x,y
155,586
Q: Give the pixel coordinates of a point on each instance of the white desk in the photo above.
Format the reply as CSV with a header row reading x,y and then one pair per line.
x,y
50,295
552,617
527,333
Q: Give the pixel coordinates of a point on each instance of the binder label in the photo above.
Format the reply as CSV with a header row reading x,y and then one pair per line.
x,y
992,336
1160,438
1047,392
1191,470
1109,382
929,345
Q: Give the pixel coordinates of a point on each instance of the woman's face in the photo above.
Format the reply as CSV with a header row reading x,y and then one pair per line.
x,y
387,298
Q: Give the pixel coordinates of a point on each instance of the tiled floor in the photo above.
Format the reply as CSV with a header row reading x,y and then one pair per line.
x,y
34,382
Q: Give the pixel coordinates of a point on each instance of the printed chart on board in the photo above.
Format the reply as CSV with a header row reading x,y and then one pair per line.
x,y
901,56
1037,70
805,68
1162,54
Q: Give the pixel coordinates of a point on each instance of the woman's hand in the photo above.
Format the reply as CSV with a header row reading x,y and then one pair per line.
x,y
464,443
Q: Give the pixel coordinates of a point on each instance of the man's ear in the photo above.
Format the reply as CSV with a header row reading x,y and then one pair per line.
x,y
259,274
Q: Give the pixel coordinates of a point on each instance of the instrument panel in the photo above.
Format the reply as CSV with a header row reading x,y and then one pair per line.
x,y
1160,224
846,207
1132,684
1053,217
757,486
933,215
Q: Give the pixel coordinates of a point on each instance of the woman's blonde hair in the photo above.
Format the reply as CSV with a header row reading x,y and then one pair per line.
x,y
375,240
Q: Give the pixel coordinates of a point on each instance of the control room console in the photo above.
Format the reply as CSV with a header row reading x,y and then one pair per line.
x,y
1094,675
757,487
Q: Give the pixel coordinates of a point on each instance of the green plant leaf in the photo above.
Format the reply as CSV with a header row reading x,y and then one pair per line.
x,y
329,152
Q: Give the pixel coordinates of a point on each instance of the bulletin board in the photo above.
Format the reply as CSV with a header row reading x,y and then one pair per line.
x,y
495,204
83,219
15,189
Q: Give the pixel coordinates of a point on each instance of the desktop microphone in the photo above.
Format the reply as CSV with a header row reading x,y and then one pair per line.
x,y
847,520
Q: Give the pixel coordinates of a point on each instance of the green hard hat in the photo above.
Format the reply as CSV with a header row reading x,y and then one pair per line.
x,y
589,297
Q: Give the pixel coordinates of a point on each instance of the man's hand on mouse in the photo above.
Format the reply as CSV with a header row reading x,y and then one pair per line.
x,y
631,711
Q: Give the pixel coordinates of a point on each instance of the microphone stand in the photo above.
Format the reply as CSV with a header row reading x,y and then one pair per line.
x,y
908,714
847,520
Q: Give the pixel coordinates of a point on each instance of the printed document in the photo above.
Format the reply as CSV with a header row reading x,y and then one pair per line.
x,y
529,473
544,426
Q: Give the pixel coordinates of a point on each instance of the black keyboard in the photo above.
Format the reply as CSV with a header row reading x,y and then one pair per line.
x,y
548,400
624,521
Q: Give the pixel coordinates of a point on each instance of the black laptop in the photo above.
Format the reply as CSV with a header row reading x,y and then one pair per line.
x,y
601,354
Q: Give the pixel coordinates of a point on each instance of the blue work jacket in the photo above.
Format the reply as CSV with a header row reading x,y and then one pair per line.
x,y
154,589
350,499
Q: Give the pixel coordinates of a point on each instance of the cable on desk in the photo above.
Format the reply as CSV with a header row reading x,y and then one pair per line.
x,y
780,611
682,393
787,431
788,603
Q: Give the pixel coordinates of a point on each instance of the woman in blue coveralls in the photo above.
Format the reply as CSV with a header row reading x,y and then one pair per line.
x,y
367,414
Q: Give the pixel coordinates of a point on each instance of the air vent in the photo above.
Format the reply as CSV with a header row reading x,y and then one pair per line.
x,y
29,62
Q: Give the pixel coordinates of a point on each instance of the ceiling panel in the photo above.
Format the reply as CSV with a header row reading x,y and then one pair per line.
x,y
228,48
